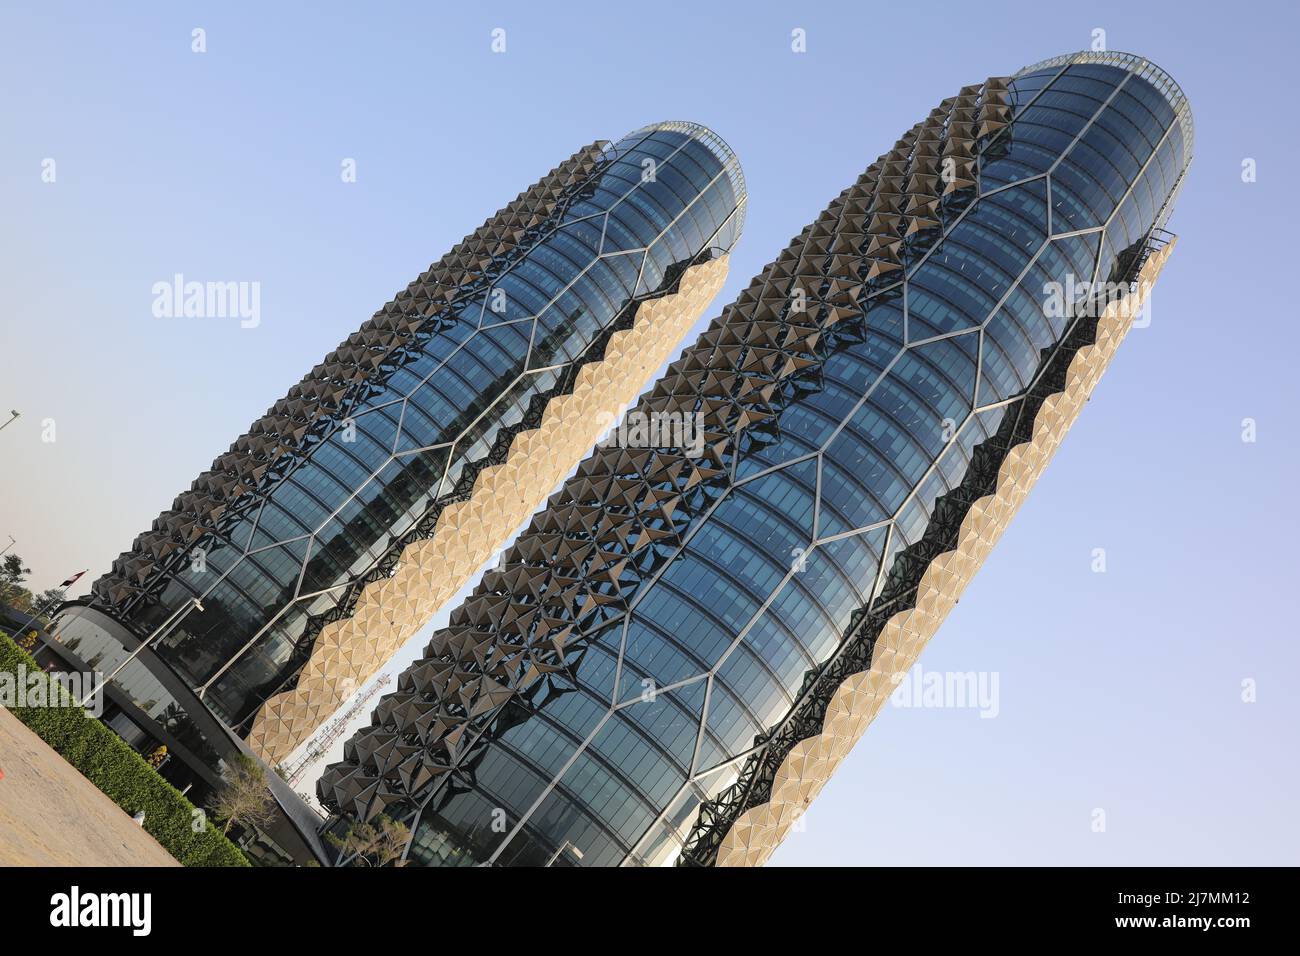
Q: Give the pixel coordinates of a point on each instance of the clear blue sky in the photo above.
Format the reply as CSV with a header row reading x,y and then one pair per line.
x,y
1119,691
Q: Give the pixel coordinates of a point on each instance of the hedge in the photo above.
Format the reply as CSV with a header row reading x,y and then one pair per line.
x,y
107,761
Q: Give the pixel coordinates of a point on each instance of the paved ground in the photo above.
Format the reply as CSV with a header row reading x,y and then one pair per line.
x,y
50,815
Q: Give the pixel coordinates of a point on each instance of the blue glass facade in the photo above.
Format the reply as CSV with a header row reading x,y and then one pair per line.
x,y
322,494
475,373
843,428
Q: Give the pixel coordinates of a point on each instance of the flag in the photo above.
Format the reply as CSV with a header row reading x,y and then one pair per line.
x,y
71,581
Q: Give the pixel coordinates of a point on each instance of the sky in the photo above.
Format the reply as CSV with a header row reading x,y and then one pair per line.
x,y
1146,714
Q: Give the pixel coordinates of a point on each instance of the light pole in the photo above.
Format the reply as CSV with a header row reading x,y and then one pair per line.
x,y
12,540
13,413
157,632
566,845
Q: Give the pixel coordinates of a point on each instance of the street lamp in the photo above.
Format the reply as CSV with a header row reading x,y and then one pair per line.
x,y
157,632
566,845
13,413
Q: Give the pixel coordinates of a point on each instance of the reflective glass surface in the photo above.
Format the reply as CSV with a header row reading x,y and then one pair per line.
x,y
783,558
660,199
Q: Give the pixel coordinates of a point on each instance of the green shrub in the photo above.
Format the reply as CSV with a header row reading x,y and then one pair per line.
x,y
110,764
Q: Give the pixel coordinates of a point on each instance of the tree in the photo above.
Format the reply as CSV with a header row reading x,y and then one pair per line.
x,y
12,576
393,838
51,596
357,841
374,844
244,799
14,592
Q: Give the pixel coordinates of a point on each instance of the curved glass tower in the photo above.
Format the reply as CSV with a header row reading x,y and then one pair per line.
x,y
365,497
671,660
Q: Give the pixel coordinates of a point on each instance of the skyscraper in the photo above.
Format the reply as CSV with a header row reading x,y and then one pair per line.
x,y
669,663
363,499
